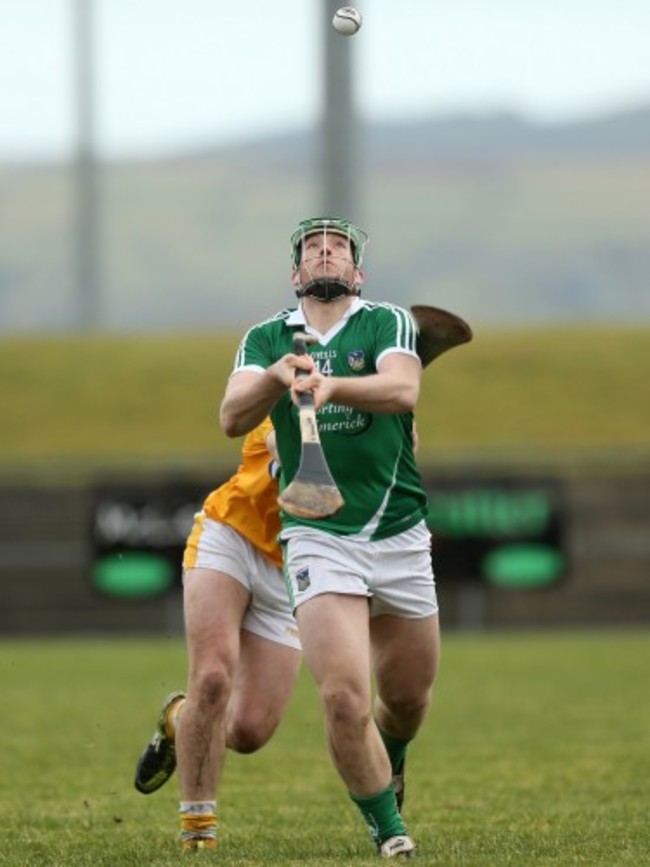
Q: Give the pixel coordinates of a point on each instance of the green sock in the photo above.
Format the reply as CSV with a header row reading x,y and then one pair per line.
x,y
381,815
396,749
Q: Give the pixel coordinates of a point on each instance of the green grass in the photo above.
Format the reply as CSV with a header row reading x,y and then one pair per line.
x,y
535,752
153,401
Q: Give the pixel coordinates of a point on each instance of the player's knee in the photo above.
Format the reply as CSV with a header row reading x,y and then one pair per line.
x,y
407,704
345,706
213,687
250,735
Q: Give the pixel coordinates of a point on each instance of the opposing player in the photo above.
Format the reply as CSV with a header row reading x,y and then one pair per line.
x,y
242,642
361,582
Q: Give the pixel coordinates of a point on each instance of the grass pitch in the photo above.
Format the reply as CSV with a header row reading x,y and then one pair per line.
x,y
535,752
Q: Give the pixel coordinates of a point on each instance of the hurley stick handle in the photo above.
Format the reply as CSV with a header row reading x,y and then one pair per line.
x,y
308,423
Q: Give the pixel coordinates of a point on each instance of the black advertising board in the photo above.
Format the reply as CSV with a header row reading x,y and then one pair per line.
x,y
508,532
138,534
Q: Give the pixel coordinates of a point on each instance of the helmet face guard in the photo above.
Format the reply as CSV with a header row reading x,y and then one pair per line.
x,y
328,287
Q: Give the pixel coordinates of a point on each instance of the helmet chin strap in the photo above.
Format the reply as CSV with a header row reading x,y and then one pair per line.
x,y
326,289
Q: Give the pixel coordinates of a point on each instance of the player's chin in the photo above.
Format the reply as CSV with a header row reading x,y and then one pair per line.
x,y
337,272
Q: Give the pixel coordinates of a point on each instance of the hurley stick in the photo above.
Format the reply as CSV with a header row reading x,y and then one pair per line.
x,y
313,492
438,331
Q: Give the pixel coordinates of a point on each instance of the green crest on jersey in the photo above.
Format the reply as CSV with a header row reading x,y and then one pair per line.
x,y
358,237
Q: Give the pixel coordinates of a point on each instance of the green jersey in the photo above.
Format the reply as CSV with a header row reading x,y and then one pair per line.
x,y
370,455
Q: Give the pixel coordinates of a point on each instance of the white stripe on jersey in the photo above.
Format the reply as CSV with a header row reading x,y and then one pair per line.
x,y
406,327
239,357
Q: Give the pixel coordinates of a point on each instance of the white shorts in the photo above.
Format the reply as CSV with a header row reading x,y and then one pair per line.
x,y
223,549
395,574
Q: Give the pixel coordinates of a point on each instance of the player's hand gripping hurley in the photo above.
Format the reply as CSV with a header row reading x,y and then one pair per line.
x,y
313,492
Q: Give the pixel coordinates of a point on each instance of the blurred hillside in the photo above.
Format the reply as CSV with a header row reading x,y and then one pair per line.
x,y
505,222
562,397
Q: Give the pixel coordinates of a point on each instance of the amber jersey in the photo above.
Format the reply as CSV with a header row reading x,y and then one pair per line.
x,y
248,501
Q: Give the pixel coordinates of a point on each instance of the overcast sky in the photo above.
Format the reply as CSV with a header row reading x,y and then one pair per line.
x,y
171,73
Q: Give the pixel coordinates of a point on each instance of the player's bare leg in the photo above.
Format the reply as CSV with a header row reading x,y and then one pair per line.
x,y
335,638
214,605
334,635
403,690
264,680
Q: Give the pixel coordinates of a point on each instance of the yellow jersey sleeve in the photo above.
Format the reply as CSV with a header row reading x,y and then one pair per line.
x,y
248,501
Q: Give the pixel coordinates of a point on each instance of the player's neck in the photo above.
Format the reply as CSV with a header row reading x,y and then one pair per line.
x,y
321,316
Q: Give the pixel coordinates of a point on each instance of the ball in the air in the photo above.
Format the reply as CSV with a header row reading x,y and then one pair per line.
x,y
347,20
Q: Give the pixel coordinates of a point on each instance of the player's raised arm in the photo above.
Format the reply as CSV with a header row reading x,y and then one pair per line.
x,y
393,389
250,394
